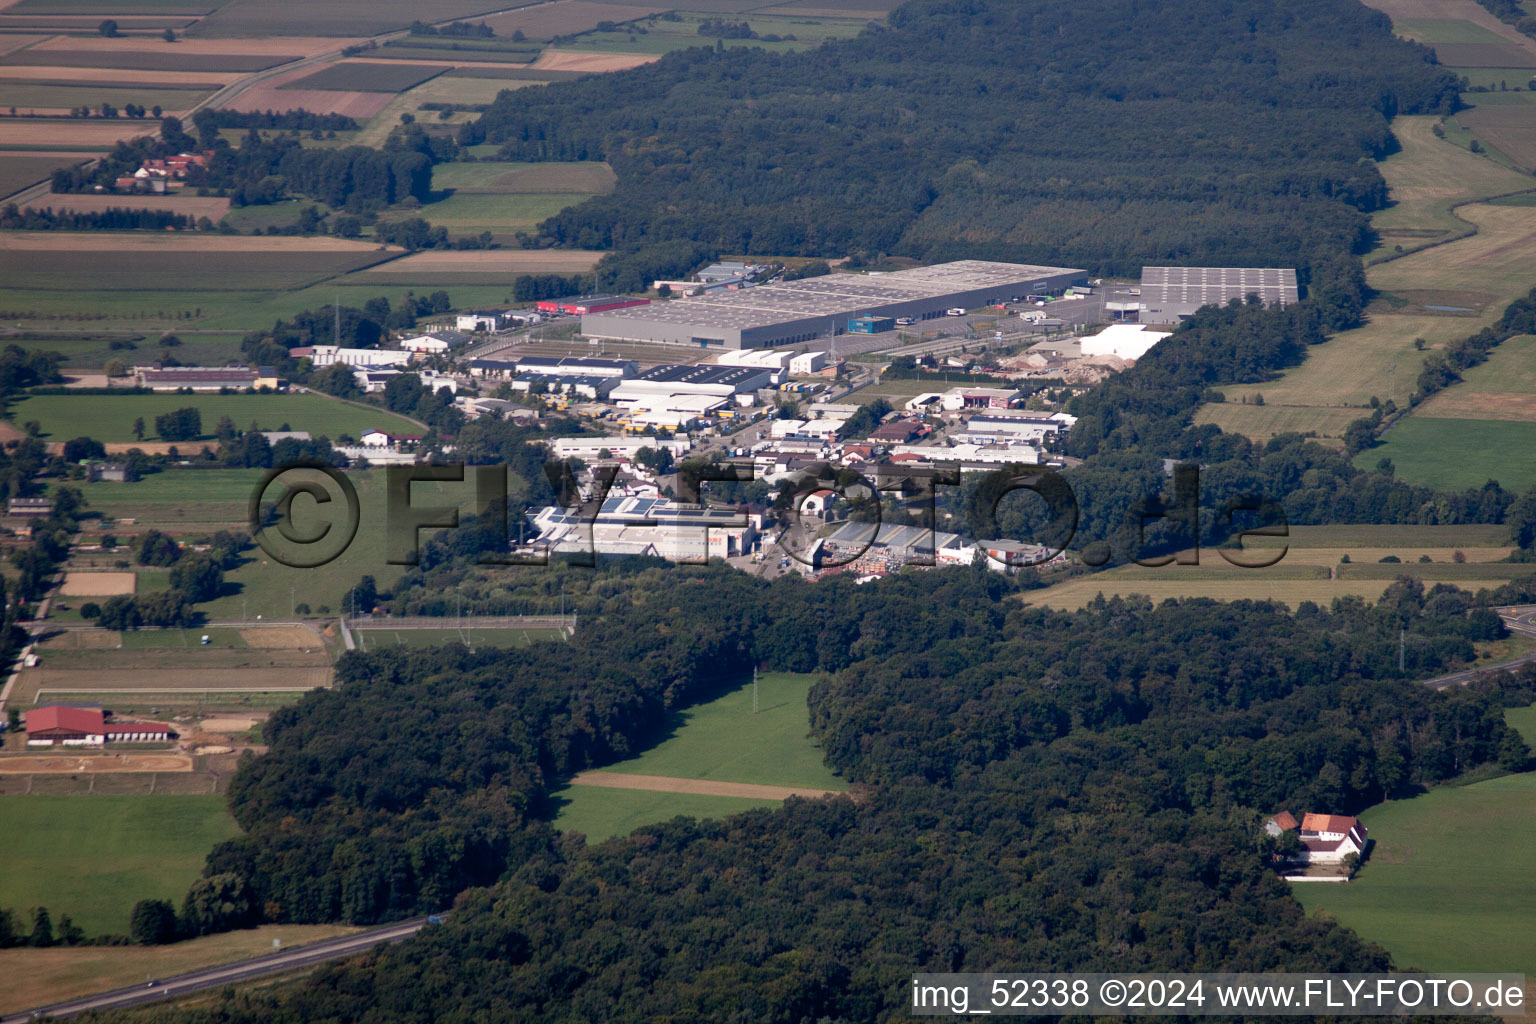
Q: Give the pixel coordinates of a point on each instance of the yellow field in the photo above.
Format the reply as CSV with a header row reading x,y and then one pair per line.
x,y
1193,581
561,60
1336,382
40,976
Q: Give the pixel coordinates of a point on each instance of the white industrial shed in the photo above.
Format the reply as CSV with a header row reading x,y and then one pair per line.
x,y
794,312
1171,294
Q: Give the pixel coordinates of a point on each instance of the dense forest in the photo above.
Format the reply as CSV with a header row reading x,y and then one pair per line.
x,y
1034,790
1232,135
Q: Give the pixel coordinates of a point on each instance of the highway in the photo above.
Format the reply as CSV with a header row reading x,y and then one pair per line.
x,y
1518,619
229,974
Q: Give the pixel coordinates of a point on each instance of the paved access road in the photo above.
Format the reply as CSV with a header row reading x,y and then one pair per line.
x,y
229,974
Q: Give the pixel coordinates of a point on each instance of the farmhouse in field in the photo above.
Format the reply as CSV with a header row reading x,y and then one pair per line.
x,y
30,507
87,727
1325,838
207,378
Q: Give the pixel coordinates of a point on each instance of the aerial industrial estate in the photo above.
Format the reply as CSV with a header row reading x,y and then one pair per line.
x,y
588,511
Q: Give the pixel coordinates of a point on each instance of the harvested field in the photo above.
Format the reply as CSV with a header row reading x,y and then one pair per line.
x,y
116,77
144,60
9,43
1456,404
701,787
279,638
1451,10
20,172
268,96
289,46
565,60
72,132
356,76
193,206
566,17
1484,55
1510,129
97,584
115,8
54,764
84,639
72,270
257,18
498,262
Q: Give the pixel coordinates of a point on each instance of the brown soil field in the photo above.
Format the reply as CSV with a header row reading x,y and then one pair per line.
x,y
211,207
564,17
70,763
702,787
101,135
510,261
270,95
281,638
97,584
67,241
563,60
1455,404
9,44
1511,130
227,724
116,77
297,46
1457,10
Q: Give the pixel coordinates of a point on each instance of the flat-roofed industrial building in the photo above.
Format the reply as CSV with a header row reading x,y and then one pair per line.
x,y
1171,294
795,312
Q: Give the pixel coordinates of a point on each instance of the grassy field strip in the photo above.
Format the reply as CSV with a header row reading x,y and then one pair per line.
x,y
36,977
1259,585
111,418
1447,886
93,859
721,741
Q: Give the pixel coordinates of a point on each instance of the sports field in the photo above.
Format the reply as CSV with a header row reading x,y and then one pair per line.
x,y
719,741
1448,883
111,417
94,857
35,977
373,639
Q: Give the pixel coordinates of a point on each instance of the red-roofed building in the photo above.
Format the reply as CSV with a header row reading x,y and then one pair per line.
x,y
1326,838
87,727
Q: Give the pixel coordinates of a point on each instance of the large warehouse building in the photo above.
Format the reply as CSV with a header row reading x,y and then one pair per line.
x,y
799,311
1171,294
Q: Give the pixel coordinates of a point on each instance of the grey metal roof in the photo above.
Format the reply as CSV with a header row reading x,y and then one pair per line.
x,y
1205,285
837,294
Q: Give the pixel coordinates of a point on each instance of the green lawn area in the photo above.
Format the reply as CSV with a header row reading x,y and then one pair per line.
x,y
1448,884
498,214
1453,454
111,417
725,742
601,813
1523,721
722,741
1445,30
86,351
93,857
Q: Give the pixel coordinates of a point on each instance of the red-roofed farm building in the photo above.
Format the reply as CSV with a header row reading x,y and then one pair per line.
x,y
87,727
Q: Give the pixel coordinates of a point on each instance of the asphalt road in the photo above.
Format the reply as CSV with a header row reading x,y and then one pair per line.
x,y
1519,619
228,974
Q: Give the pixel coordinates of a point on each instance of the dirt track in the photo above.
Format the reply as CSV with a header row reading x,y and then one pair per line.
x,y
97,584
70,763
701,787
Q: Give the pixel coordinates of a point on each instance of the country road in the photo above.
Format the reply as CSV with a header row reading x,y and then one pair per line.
x,y
228,974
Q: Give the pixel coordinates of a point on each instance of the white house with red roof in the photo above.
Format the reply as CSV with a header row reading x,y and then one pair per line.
x,y
1325,838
